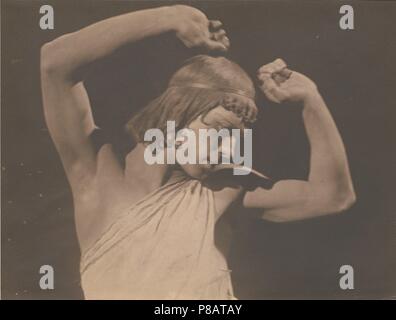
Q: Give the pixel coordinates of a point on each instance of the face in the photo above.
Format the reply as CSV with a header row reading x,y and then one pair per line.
x,y
219,119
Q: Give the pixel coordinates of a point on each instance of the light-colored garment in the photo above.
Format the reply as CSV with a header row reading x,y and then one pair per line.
x,y
161,248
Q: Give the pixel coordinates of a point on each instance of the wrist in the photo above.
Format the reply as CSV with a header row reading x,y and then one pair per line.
x,y
312,99
171,17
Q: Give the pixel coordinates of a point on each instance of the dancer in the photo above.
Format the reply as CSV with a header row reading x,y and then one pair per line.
x,y
147,231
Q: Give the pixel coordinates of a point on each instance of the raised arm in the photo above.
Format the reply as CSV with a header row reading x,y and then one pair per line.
x,y
329,188
66,105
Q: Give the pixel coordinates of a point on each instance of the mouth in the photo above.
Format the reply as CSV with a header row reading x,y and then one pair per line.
x,y
228,166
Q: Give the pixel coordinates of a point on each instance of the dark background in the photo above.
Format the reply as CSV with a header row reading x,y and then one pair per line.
x,y
355,72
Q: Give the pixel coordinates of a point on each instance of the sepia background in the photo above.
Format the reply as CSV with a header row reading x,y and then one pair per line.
x,y
355,72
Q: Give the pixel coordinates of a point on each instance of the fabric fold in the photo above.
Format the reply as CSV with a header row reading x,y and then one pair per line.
x,y
160,248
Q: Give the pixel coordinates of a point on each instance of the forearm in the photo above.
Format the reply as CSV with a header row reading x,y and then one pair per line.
x,y
329,170
70,52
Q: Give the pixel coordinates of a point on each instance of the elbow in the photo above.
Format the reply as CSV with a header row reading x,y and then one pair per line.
x,y
52,60
348,201
48,58
342,201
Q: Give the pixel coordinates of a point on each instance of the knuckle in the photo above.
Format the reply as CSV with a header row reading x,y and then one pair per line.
x,y
280,62
216,23
263,68
263,77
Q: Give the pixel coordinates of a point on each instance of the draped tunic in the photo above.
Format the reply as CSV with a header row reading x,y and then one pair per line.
x,y
162,247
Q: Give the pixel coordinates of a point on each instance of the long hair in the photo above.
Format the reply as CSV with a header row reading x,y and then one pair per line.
x,y
199,85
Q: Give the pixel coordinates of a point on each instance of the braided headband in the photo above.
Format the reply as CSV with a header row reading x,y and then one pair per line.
x,y
224,89
228,103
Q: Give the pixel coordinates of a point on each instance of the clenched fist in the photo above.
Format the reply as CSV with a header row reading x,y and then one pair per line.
x,y
280,84
195,30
